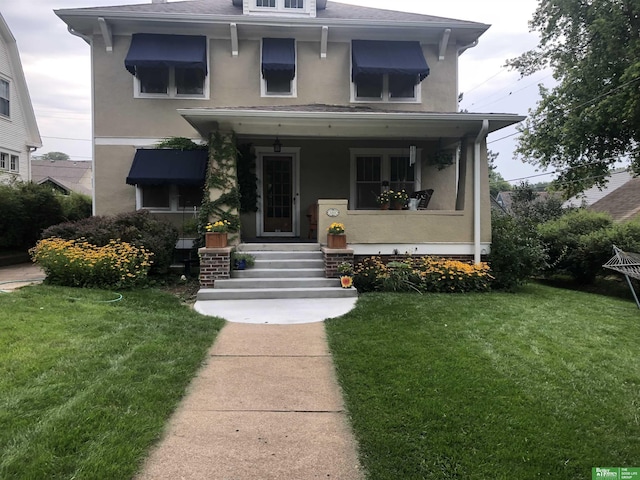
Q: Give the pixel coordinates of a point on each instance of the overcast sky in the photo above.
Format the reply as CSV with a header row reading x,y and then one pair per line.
x,y
56,65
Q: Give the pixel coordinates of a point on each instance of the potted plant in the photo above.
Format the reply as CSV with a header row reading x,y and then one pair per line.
x,y
241,261
399,199
384,199
345,271
216,234
336,237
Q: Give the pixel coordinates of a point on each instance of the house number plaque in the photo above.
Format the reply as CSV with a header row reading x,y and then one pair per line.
x,y
333,212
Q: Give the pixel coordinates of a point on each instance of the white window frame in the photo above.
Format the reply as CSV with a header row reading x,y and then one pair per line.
x,y
294,81
385,154
172,92
280,7
386,98
4,161
14,163
174,202
8,82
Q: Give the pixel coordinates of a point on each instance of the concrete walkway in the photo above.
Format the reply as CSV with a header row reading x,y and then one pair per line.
x,y
266,405
16,276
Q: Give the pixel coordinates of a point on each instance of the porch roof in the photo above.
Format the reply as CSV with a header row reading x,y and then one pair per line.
x,y
343,122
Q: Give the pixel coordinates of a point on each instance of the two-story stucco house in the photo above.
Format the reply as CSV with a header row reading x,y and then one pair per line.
x,y
19,135
337,102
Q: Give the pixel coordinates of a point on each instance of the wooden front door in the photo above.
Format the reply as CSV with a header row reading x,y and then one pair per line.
x,y
278,195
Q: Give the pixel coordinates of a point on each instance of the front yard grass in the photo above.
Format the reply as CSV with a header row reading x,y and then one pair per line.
x,y
540,384
86,385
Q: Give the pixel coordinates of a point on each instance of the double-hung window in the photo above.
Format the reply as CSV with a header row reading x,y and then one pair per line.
x,y
14,163
387,71
278,67
377,169
4,161
168,66
282,5
5,98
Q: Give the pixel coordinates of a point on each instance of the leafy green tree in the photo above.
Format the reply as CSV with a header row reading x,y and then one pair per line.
x,y
497,183
591,118
55,156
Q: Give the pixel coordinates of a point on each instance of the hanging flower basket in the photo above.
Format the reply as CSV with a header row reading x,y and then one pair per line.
x,y
216,239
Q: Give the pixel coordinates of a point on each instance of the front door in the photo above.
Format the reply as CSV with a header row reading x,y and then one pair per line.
x,y
278,193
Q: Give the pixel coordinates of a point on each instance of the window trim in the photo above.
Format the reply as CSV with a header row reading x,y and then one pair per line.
x,y
172,93
16,159
386,154
4,161
386,98
174,203
280,7
294,80
8,82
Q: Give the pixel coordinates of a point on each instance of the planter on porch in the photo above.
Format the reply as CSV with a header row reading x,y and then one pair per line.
x,y
337,241
216,239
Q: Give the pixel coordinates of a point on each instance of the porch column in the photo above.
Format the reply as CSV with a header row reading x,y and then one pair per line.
x,y
223,202
477,193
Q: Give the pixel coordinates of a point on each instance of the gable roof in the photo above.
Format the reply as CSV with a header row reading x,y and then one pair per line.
x,y
20,85
623,203
593,194
74,176
221,11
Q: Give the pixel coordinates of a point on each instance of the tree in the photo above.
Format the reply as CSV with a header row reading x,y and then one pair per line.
x,y
592,117
497,183
55,156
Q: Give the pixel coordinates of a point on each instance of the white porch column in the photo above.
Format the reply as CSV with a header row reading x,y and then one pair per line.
x,y
477,190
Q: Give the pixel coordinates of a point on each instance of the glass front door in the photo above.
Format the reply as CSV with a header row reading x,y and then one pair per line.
x,y
277,195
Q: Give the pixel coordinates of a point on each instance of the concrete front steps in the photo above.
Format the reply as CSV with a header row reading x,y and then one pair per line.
x,y
282,270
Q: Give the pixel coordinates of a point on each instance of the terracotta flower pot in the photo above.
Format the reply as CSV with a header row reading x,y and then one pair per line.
x,y
215,240
338,241
384,206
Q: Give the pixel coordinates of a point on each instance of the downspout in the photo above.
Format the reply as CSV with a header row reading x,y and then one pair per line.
x,y
89,40
477,184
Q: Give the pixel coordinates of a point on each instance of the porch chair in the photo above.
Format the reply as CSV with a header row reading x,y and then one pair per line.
x,y
312,216
424,196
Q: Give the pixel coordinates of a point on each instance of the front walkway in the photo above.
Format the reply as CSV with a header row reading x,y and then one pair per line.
x,y
265,406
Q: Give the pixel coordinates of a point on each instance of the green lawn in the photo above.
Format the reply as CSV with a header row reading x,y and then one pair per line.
x,y
540,384
86,386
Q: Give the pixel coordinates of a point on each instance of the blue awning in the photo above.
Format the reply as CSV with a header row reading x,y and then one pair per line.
x,y
168,167
154,50
279,55
377,57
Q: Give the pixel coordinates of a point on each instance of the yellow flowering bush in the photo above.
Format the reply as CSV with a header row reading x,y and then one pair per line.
x,y
423,274
336,228
78,263
221,226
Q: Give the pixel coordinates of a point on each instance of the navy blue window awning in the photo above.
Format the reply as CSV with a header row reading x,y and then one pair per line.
x,y
279,55
168,167
378,57
155,50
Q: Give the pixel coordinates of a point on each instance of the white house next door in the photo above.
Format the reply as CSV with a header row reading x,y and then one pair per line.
x,y
279,212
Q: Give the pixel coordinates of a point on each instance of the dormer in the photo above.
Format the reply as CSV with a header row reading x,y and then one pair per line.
x,y
285,8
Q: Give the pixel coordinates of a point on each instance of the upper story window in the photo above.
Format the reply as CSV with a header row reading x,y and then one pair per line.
x,y
278,67
266,3
293,3
387,71
4,98
168,65
287,6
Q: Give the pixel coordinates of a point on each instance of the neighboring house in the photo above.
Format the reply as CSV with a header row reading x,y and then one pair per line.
x,y
505,199
337,101
592,195
66,176
19,135
623,203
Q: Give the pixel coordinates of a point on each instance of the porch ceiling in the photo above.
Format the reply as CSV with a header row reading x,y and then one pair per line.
x,y
343,122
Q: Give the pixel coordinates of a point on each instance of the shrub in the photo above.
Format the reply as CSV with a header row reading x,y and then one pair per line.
x,y
25,210
75,206
517,252
424,274
81,264
573,239
452,276
140,229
